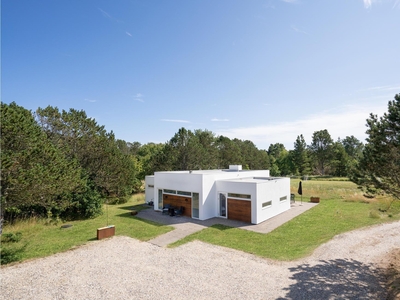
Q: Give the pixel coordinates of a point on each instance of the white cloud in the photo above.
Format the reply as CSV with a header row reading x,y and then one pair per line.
x,y
90,100
367,3
219,120
128,33
299,30
175,121
385,87
289,1
345,121
108,16
138,97
105,14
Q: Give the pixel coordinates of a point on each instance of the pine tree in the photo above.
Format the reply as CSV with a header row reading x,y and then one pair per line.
x,y
300,156
380,166
34,172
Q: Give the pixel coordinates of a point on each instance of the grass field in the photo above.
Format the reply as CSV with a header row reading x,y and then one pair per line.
x,y
40,239
343,207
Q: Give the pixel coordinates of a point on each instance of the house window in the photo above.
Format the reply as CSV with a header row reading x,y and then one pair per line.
x,y
170,191
160,199
184,193
150,185
283,198
195,205
243,196
266,204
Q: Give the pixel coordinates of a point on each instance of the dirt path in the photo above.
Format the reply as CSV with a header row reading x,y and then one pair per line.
x,y
347,267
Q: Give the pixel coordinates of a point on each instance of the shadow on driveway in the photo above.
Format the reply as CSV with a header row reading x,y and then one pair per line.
x,y
337,279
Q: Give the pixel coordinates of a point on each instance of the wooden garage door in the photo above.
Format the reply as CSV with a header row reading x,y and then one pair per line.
x,y
178,201
239,210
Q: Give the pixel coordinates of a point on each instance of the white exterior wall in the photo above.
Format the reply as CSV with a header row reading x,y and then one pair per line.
x,y
181,181
237,187
207,209
272,190
149,191
209,183
209,206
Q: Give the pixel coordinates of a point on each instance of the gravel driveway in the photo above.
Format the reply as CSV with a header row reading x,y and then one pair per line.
x,y
347,267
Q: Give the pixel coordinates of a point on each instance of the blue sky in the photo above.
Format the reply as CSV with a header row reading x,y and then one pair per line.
x,y
266,71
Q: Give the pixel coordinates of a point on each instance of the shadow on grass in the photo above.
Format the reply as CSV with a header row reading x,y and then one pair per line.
x,y
129,216
149,222
221,227
337,279
137,207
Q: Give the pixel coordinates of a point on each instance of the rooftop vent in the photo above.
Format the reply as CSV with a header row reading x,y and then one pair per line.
x,y
235,167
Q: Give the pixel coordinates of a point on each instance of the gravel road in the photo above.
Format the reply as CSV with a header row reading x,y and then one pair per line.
x,y
347,267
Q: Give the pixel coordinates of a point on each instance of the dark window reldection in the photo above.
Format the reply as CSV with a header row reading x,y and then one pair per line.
x,y
170,191
242,196
184,193
283,198
150,185
160,199
195,205
266,204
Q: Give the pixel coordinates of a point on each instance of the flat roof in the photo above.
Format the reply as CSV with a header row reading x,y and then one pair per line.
x,y
205,172
253,179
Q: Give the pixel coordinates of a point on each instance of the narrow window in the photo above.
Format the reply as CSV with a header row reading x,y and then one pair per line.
x,y
242,196
195,205
184,193
169,191
266,204
160,199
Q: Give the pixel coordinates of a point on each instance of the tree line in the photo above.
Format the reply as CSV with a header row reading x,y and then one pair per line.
x,y
59,163
64,164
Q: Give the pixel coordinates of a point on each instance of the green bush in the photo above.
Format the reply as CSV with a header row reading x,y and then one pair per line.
x,y
10,253
86,204
11,237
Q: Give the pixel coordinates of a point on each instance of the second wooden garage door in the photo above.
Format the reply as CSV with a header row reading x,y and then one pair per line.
x,y
239,210
178,201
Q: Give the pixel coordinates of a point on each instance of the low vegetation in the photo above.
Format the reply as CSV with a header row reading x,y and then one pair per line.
x,y
34,238
342,208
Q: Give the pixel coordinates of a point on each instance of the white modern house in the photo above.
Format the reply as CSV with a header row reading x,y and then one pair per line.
x,y
250,196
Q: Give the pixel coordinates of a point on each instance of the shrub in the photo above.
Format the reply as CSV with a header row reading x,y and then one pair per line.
x,y
374,214
11,237
9,252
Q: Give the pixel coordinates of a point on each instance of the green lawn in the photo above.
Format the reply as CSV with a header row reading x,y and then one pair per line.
x,y
39,239
342,208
